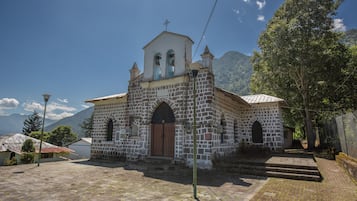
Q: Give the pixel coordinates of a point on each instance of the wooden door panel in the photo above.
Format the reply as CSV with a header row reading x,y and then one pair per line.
x,y
156,139
169,139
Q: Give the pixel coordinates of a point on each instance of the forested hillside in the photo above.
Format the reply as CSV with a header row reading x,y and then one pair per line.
x,y
232,72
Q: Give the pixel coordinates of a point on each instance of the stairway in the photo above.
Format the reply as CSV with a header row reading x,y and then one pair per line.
x,y
268,169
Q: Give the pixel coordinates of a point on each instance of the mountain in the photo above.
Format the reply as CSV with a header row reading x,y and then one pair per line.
x,y
73,121
14,123
350,37
232,72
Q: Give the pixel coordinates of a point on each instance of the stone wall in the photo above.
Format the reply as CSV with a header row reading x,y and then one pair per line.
x,y
349,164
101,148
204,119
269,115
132,120
228,111
145,97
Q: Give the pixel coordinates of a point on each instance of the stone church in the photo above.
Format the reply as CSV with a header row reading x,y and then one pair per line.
x,y
154,118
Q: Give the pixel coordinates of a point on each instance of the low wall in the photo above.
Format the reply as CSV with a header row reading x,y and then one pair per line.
x,y
349,164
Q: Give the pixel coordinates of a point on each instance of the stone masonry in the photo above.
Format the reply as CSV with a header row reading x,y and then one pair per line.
x,y
224,119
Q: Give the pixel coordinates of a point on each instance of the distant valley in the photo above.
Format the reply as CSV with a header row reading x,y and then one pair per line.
x,y
15,122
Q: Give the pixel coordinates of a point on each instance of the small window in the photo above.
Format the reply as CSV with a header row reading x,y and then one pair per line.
x,y
110,130
170,63
257,132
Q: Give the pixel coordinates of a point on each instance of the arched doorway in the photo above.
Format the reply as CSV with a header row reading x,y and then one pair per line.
x,y
257,132
163,131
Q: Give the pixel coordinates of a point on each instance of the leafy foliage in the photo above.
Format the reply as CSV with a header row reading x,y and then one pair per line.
x,y
27,158
302,60
28,146
350,37
32,123
37,135
62,136
87,126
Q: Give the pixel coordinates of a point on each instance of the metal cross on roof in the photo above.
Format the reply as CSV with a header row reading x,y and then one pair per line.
x,y
166,23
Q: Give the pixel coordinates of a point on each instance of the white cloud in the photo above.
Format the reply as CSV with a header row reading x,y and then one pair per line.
x,y
236,11
59,116
338,25
62,100
85,106
246,1
58,106
32,106
261,18
54,110
8,103
260,4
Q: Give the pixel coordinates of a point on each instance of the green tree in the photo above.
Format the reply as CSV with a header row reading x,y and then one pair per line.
x,y
37,135
32,123
87,126
301,60
62,136
28,148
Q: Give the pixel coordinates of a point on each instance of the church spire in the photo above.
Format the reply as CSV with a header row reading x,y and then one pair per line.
x,y
207,58
134,71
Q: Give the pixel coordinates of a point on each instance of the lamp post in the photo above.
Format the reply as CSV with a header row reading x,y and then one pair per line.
x,y
46,97
194,171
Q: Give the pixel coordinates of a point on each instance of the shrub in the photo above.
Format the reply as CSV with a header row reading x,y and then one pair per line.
x,y
10,162
27,158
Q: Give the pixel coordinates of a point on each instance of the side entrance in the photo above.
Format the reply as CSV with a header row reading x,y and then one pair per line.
x,y
163,132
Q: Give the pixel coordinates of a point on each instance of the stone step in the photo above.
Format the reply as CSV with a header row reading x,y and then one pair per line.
x,y
288,171
282,165
284,175
275,169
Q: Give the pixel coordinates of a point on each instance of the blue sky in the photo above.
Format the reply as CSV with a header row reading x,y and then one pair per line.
x,y
81,49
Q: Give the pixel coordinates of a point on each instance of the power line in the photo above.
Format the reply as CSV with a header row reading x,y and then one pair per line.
x,y
205,29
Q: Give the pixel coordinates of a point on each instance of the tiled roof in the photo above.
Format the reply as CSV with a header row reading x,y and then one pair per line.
x,y
114,96
87,139
261,98
14,142
233,96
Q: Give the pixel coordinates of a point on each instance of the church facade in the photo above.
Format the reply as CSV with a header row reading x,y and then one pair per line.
x,y
154,118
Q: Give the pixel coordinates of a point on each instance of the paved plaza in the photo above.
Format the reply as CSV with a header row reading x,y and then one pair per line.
x,y
88,180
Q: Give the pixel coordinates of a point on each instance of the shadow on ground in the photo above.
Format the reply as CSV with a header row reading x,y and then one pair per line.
x,y
177,173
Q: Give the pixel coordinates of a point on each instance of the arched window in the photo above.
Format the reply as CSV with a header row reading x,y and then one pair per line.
x,y
170,63
157,69
110,130
223,128
257,132
235,131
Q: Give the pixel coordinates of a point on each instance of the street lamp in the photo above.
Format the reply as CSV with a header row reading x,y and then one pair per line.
x,y
46,97
194,73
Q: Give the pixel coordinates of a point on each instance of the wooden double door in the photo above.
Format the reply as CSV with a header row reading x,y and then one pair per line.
x,y
163,139
163,131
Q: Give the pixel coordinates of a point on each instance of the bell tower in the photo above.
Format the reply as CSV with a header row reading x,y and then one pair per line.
x,y
167,56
